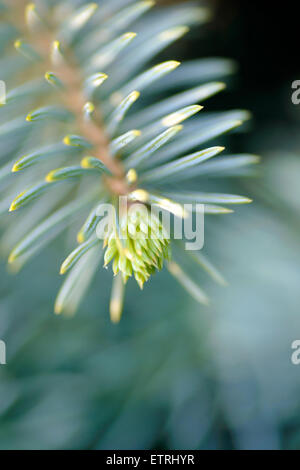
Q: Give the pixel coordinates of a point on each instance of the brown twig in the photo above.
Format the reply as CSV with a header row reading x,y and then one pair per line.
x,y
74,100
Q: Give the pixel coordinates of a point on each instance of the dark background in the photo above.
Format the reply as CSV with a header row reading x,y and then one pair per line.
x,y
263,37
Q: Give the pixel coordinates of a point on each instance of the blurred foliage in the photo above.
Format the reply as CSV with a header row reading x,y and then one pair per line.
x,y
173,375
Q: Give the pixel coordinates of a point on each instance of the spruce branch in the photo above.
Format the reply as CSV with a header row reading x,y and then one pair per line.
x,y
83,124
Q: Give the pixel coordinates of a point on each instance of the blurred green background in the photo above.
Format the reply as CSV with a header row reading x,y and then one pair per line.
x,y
174,375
